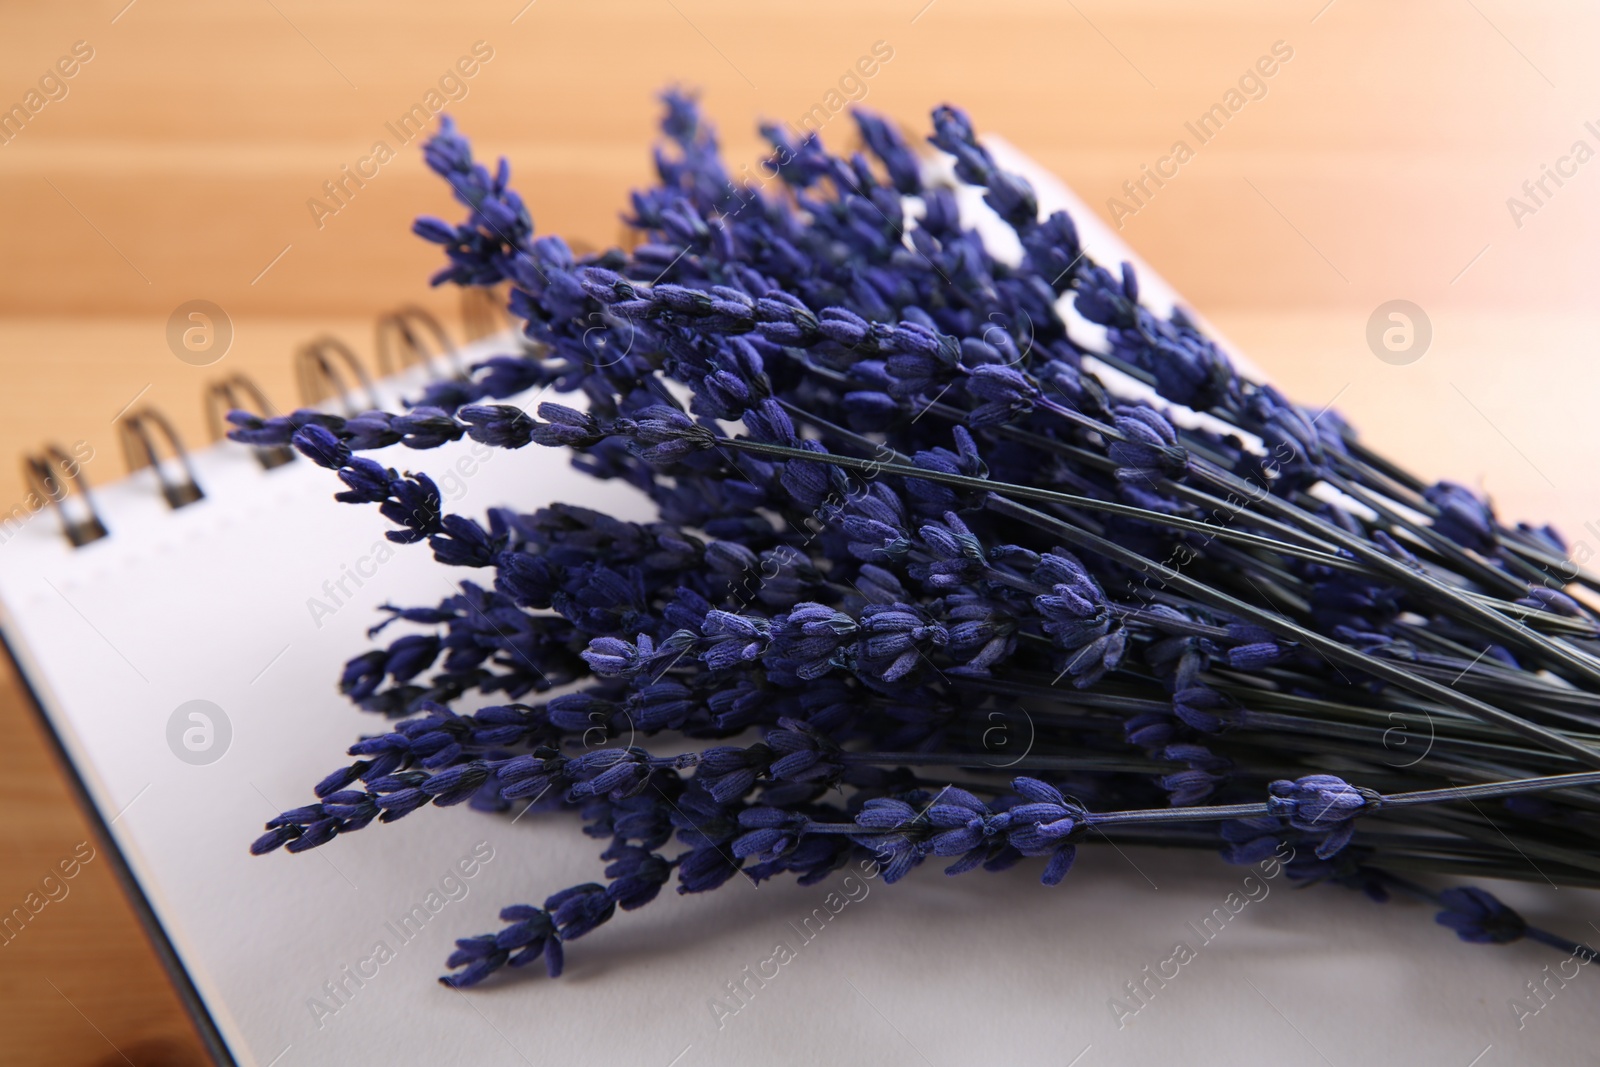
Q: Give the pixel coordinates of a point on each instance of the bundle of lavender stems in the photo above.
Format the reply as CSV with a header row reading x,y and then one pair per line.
x,y
905,494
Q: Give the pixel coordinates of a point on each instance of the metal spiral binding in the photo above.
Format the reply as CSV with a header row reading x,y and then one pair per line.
x,y
224,396
405,328
483,311
325,368
40,471
319,376
139,446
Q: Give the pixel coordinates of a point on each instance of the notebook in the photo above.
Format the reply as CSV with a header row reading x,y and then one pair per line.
x,y
186,661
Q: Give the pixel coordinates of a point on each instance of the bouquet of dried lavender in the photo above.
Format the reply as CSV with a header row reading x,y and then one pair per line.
x,y
904,491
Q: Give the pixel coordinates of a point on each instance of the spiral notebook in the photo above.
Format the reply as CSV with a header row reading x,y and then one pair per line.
x,y
183,642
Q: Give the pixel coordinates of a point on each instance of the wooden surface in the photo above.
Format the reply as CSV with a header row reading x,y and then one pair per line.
x,y
179,164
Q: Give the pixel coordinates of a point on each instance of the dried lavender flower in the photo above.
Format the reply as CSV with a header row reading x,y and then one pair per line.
x,y
898,501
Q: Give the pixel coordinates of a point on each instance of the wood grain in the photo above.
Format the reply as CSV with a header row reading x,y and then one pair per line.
x,y
179,165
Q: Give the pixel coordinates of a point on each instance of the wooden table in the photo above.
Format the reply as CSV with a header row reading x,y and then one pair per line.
x,y
1375,163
